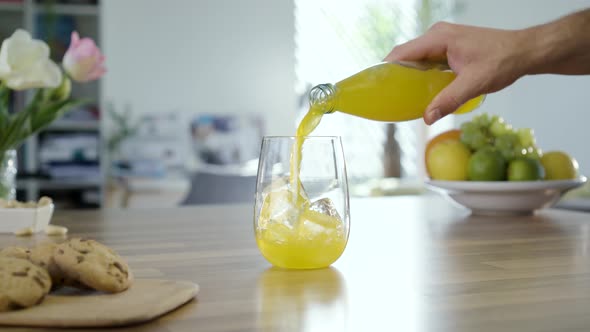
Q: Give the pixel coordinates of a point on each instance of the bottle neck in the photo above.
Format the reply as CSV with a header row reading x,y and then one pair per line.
x,y
323,97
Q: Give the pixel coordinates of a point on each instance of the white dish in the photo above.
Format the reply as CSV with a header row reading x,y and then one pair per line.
x,y
505,197
15,219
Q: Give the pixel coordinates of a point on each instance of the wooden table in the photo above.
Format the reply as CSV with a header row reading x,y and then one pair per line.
x,y
412,264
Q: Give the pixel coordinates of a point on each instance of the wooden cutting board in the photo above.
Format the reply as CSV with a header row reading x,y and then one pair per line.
x,y
144,301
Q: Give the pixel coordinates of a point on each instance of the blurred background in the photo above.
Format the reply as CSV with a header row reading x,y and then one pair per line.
x,y
192,86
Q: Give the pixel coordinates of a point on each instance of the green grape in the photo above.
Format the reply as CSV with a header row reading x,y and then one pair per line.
x,y
482,120
489,149
467,137
519,150
473,137
507,140
480,141
468,130
469,126
534,152
506,145
526,137
508,154
499,127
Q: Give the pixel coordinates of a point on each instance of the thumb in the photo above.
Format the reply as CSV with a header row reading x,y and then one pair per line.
x,y
450,99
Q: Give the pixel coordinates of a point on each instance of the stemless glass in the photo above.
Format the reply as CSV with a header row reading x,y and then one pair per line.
x,y
301,224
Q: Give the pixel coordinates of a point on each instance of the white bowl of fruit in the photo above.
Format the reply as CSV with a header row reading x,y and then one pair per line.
x,y
493,169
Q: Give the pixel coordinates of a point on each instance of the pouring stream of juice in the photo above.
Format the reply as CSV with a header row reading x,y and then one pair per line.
x,y
309,122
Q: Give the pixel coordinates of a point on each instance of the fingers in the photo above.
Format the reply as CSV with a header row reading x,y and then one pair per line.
x,y
431,45
420,48
451,98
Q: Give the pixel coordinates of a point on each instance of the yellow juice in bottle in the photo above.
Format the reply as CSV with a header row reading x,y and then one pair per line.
x,y
387,92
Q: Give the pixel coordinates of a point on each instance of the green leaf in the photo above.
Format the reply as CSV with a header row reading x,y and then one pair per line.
x,y
4,115
117,118
16,128
44,117
4,120
18,125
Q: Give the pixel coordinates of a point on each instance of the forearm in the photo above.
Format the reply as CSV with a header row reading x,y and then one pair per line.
x,y
558,47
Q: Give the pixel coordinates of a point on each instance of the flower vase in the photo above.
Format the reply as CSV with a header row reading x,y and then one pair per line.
x,y
8,174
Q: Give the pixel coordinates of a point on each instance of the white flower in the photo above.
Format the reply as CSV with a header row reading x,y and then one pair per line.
x,y
25,63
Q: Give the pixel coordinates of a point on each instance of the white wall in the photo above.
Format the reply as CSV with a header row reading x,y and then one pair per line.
x,y
191,56
556,107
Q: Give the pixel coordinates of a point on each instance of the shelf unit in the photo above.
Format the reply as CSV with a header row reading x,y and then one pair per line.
x,y
74,125
60,9
24,14
75,10
11,7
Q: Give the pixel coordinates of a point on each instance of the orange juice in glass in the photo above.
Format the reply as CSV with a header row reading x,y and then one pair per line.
x,y
302,211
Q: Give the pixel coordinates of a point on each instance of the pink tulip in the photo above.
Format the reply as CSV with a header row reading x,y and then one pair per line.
x,y
83,61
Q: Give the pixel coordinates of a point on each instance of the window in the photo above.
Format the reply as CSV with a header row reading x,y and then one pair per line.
x,y
335,39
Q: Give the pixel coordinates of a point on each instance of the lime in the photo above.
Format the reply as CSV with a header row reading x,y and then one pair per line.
x,y
487,165
559,165
525,169
447,160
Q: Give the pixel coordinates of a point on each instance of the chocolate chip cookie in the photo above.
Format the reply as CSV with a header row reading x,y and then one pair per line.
x,y
22,283
42,256
93,264
15,252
